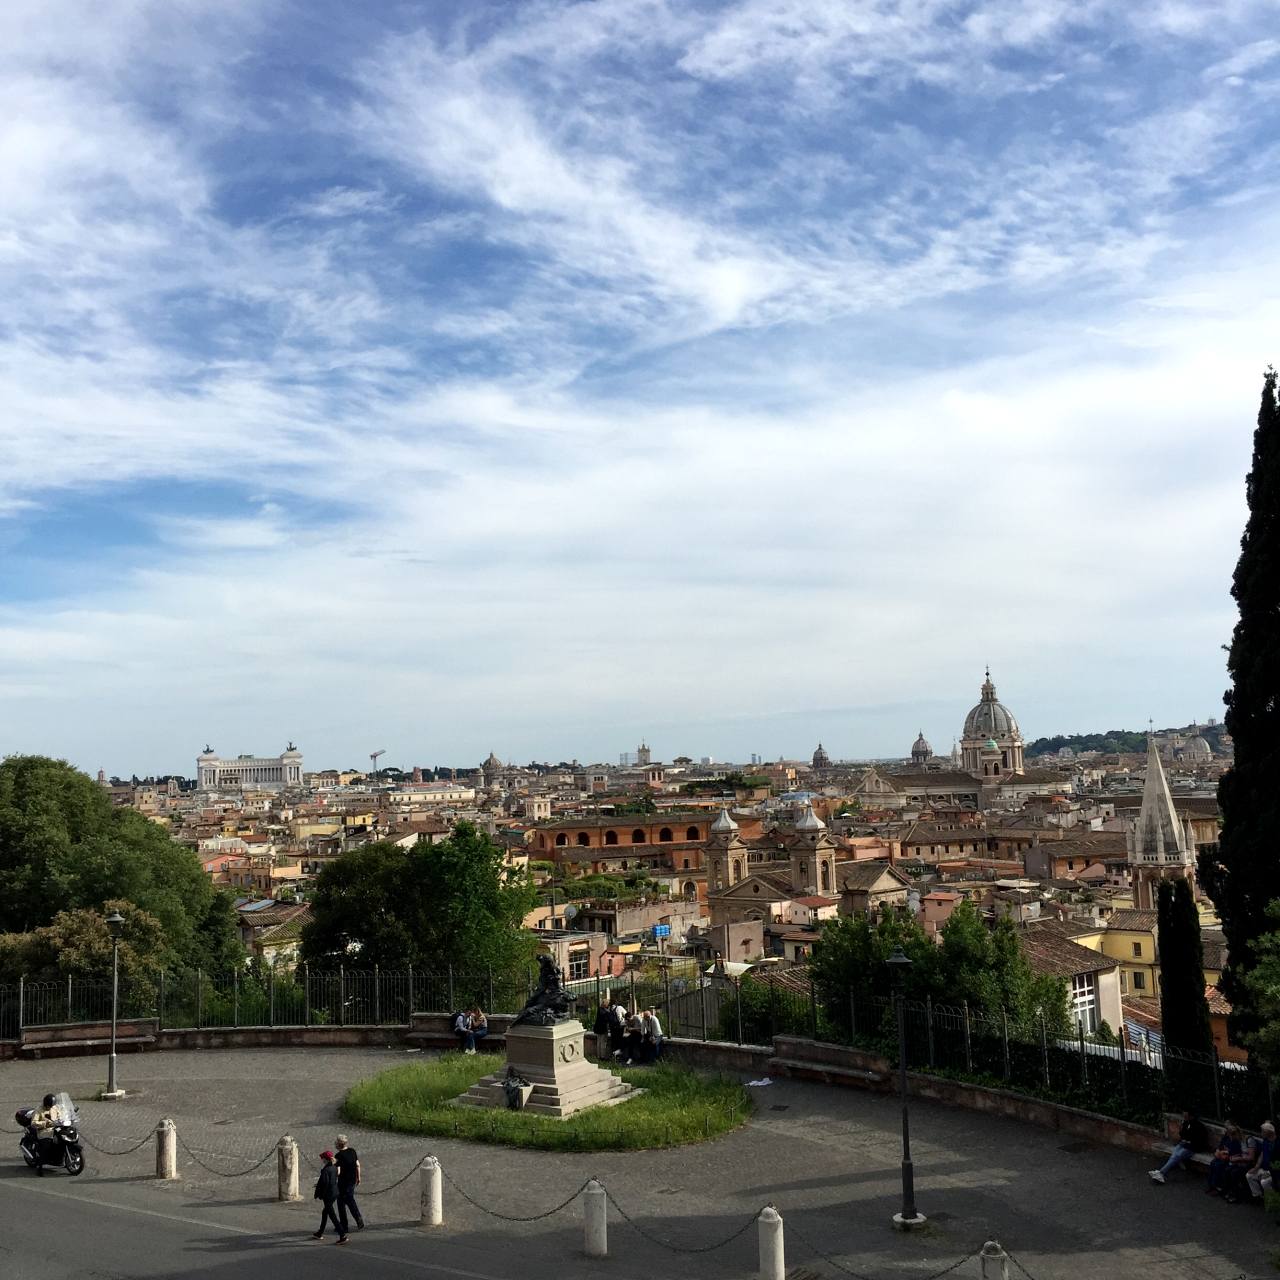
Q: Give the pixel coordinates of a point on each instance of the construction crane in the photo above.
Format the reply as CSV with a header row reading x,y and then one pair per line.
x,y
373,761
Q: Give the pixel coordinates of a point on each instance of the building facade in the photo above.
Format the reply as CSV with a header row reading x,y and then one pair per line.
x,y
249,773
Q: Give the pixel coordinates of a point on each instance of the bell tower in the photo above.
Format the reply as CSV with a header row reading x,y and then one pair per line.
x,y
727,854
813,856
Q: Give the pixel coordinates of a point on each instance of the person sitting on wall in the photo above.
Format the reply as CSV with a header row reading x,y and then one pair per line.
x,y
1226,1157
479,1025
1192,1138
633,1040
462,1029
1258,1176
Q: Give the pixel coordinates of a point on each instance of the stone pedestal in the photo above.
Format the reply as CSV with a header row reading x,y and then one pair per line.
x,y
553,1060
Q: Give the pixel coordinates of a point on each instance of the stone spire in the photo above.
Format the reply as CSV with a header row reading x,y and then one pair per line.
x,y
1158,835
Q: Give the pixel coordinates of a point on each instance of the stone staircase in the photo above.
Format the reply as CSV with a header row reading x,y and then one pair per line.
x,y
558,1094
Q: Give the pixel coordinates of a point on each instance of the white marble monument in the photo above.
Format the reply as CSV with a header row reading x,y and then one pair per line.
x,y
552,1059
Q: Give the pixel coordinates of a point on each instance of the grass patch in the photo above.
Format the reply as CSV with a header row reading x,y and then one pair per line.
x,y
678,1107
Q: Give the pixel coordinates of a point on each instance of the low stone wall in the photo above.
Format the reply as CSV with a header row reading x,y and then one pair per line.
x,y
325,1037
882,1078
717,1055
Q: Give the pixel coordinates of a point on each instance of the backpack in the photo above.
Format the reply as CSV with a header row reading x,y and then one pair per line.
x,y
461,1022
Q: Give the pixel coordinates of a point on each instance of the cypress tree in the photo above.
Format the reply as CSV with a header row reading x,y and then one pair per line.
x,y
1184,1012
1243,877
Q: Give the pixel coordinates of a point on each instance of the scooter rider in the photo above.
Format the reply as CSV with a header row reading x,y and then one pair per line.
x,y
49,1115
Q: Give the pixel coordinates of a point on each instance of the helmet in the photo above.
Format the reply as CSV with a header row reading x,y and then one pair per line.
x,y
24,1117
49,1101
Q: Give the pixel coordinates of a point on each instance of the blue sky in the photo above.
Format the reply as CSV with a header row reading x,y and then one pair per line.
x,y
538,377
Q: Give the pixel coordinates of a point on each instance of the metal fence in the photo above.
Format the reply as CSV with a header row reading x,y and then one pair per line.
x,y
949,1040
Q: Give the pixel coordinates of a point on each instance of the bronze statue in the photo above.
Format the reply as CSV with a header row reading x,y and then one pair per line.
x,y
550,1002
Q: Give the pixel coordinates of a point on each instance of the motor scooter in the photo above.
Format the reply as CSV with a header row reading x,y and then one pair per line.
x,y
50,1147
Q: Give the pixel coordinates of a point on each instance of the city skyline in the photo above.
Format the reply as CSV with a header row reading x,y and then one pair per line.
x,y
540,378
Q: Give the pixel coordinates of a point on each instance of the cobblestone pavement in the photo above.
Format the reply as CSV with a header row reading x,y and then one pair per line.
x,y
828,1158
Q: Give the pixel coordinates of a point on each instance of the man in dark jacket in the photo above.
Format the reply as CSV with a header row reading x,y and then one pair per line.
x,y
348,1180
1192,1137
327,1193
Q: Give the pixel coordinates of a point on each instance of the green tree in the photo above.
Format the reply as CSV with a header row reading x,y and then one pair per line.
x,y
1184,1012
77,944
64,847
985,967
454,903
1263,984
1243,878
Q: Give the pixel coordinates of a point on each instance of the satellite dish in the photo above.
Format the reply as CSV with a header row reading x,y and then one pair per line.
x,y
569,912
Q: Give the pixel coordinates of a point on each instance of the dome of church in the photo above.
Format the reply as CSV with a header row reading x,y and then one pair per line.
x,y
991,745
820,758
990,718
492,763
809,821
920,749
723,823
1198,748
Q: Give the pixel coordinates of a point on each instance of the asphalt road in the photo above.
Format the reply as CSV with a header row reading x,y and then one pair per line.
x,y
58,1229
828,1158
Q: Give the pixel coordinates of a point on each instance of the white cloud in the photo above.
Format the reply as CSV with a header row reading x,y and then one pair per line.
x,y
610,364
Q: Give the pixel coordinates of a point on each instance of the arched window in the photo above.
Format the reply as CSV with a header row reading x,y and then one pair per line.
x,y
665,836
826,876
611,837
690,889
691,834
542,842
737,870
637,836
583,839
561,840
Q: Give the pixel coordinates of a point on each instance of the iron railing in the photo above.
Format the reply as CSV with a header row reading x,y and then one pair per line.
x,y
952,1040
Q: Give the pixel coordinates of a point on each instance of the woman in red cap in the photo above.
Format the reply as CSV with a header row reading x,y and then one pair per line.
x,y
327,1191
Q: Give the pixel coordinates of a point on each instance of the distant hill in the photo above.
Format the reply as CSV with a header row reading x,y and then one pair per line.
x,y
1109,743
1117,740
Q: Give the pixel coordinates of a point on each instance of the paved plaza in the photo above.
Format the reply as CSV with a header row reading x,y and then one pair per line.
x,y
827,1158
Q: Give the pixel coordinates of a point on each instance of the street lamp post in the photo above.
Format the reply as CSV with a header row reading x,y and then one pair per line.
x,y
910,1217
115,924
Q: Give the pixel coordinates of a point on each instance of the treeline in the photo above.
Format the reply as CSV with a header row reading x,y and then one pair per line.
x,y
1113,742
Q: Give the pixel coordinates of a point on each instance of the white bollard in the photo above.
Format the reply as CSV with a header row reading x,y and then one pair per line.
x,y
431,1202
772,1254
990,1255
595,1221
287,1169
166,1150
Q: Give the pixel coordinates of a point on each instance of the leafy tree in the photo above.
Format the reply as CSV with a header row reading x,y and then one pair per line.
x,y
1263,985
1244,876
985,967
1184,1012
77,944
64,847
454,903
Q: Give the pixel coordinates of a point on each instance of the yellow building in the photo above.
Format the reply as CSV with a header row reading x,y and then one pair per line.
x,y
1130,938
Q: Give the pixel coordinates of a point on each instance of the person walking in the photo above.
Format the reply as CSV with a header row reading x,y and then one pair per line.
x,y
327,1193
348,1180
